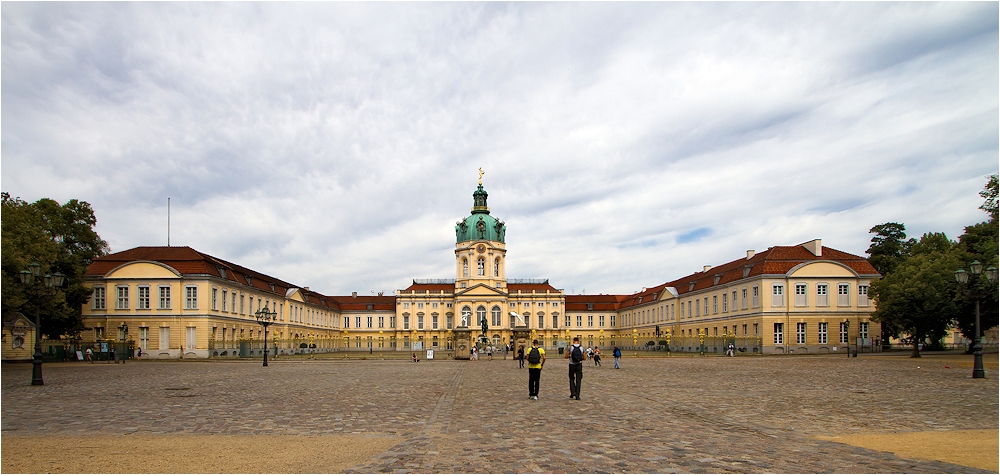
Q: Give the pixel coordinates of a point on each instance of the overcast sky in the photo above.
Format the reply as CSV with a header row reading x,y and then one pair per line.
x,y
335,145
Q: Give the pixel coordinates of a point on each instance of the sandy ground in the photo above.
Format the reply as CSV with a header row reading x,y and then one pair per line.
x,y
972,448
334,454
189,453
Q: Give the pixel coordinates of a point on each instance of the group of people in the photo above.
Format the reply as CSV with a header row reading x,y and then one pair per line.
x,y
474,352
576,355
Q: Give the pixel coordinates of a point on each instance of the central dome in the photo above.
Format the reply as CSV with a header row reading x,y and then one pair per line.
x,y
480,226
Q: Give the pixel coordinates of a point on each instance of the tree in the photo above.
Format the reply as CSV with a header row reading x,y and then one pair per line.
x,y
888,249
981,242
62,239
989,193
918,296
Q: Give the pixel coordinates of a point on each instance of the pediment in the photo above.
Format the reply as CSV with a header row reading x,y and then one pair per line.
x,y
481,290
143,270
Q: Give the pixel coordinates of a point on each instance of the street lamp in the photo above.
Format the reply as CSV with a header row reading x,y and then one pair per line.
x,y
123,332
30,277
974,291
265,317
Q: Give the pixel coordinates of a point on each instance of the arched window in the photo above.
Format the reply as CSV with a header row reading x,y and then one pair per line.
x,y
496,268
466,316
480,315
495,311
465,267
481,266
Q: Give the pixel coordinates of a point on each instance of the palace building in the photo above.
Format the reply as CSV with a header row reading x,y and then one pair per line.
x,y
180,303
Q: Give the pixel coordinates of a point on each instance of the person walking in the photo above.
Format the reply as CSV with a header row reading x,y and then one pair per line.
x,y
89,355
617,353
576,358
520,356
536,359
597,356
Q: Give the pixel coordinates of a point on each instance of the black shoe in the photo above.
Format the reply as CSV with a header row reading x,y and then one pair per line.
x,y
578,398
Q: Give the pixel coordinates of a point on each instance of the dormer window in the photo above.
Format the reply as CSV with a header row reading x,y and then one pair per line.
x,y
590,307
249,280
371,307
746,270
222,271
691,286
717,278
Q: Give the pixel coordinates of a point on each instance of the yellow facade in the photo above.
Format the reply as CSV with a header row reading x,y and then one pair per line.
x,y
179,303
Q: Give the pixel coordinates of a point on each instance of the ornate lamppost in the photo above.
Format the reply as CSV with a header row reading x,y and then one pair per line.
x,y
974,291
668,342
30,277
635,341
123,332
701,342
265,317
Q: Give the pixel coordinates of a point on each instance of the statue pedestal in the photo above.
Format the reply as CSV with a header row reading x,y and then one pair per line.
x,y
462,343
522,337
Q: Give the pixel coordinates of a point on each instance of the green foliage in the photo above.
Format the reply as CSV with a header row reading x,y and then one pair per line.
x,y
889,246
989,193
62,239
918,296
979,243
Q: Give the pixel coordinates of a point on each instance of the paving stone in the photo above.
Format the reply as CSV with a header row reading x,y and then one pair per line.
x,y
656,415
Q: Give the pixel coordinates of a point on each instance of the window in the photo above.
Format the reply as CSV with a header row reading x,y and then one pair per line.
x,y
527,319
590,320
347,322
98,333
862,295
822,295
513,305
225,296
600,321
234,302
682,309
357,321
725,303
406,321
844,327
420,305
715,304
756,330
481,266
99,296
496,268
215,298
800,295
392,322
242,303
777,295
406,304
191,297
612,320
555,321
568,321
144,338
142,301
706,306
843,295
381,321
756,297
579,321
122,302
779,333
800,333
465,267
822,334
697,307
863,330
496,314
434,321
420,321
434,342
164,338
369,321
744,329
744,301
192,338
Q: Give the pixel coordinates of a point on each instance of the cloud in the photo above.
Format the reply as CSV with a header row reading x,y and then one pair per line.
x,y
334,145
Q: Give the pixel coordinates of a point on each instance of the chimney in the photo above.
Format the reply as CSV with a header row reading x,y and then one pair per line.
x,y
354,295
815,246
750,253
706,268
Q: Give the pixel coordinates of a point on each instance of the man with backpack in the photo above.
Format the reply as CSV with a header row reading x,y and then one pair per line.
x,y
576,358
536,359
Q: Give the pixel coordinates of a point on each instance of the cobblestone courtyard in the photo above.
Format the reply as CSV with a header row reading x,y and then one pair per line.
x,y
656,415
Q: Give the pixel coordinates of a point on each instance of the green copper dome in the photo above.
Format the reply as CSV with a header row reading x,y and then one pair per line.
x,y
480,225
